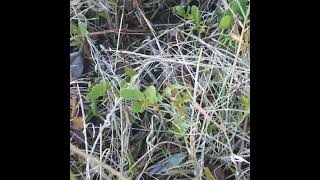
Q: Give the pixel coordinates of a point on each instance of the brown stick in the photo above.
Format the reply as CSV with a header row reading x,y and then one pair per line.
x,y
202,111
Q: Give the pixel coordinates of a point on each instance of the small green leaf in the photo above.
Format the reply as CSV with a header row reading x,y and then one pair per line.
x,y
225,22
159,97
130,72
196,14
188,10
83,29
225,40
151,92
208,174
237,5
211,128
167,92
202,29
138,107
149,101
175,159
245,102
151,95
185,98
72,176
117,93
74,29
82,24
131,94
133,167
94,108
98,90
180,11
123,83
189,17
175,129
169,162
228,12
182,125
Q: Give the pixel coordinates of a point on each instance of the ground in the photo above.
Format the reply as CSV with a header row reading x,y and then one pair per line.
x,y
160,89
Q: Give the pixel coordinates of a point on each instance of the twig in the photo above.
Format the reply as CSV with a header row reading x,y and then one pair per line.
x,y
124,31
76,150
158,27
105,124
245,127
84,129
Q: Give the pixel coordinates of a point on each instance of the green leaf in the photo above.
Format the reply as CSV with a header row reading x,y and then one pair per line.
x,y
175,130
245,102
175,159
237,5
225,22
188,10
72,177
167,92
131,94
98,90
159,97
182,98
225,39
82,24
130,72
196,14
202,29
189,17
185,98
74,29
151,93
94,108
228,12
208,174
134,168
123,83
83,29
211,128
180,11
168,163
181,125
138,107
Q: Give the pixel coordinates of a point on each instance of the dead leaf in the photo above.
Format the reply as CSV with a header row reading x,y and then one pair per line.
x,y
77,123
246,41
247,36
236,37
74,102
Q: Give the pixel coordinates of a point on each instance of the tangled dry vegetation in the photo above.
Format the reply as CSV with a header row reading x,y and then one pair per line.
x,y
164,91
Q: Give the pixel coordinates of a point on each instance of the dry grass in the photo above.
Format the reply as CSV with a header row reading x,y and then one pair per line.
x,y
218,76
